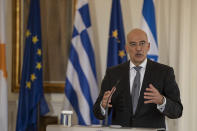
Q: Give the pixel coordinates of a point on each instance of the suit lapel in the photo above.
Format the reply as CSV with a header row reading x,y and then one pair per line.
x,y
123,86
126,84
145,83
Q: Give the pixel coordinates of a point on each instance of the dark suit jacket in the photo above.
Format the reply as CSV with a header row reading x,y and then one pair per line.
x,y
147,115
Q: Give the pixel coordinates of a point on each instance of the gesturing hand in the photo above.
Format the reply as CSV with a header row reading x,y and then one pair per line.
x,y
107,95
153,96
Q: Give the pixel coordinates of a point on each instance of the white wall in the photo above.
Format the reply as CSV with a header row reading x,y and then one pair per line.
x,y
177,30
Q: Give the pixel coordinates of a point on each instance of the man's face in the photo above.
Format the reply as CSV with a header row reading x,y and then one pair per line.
x,y
137,46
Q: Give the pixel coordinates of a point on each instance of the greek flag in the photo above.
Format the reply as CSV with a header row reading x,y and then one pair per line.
x,y
81,81
149,26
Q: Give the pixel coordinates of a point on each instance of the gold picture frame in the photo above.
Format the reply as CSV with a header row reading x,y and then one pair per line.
x,y
17,47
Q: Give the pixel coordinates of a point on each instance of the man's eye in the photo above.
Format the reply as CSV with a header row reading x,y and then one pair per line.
x,y
142,42
133,44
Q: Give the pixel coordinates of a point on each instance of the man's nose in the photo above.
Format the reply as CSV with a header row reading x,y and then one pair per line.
x,y
138,47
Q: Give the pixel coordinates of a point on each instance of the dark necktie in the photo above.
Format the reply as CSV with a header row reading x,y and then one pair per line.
x,y
136,88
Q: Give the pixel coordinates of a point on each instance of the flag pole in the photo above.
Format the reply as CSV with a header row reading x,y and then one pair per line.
x,y
38,116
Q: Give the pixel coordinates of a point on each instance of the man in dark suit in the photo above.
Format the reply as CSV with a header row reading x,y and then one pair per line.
x,y
158,93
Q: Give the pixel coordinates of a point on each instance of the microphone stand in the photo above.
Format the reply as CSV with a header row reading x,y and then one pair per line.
x,y
106,113
107,107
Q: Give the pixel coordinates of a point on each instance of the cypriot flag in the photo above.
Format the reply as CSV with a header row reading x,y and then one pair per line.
x,y
3,74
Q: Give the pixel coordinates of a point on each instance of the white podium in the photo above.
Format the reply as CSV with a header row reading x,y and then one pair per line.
x,y
94,128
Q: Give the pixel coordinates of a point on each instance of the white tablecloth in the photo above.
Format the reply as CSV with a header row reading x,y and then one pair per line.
x,y
93,128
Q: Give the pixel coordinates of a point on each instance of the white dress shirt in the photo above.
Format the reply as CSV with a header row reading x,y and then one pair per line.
x,y
133,74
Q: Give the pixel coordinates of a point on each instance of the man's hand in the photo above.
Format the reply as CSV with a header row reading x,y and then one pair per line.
x,y
106,96
153,96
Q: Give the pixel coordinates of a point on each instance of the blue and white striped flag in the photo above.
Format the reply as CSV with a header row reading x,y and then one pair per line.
x,y
81,81
149,26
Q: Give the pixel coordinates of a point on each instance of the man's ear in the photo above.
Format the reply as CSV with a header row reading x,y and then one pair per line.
x,y
149,45
126,48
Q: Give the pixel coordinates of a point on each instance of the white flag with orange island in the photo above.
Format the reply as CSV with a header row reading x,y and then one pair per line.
x,y
3,73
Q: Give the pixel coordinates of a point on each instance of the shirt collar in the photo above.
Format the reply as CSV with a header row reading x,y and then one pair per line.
x,y
143,64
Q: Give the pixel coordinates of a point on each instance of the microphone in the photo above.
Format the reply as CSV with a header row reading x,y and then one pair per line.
x,y
106,109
